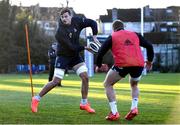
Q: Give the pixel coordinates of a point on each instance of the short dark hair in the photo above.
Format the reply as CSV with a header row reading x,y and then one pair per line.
x,y
117,24
64,10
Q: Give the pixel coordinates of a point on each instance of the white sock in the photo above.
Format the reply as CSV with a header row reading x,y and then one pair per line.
x,y
113,107
83,101
134,103
37,97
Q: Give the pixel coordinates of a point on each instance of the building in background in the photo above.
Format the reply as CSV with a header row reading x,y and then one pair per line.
x,y
161,27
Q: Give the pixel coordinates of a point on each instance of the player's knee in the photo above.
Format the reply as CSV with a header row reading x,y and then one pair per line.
x,y
84,77
55,82
133,84
106,84
134,81
81,70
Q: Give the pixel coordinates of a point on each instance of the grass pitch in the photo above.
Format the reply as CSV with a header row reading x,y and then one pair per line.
x,y
158,104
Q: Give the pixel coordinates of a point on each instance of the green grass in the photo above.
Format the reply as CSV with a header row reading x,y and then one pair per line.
x,y
159,101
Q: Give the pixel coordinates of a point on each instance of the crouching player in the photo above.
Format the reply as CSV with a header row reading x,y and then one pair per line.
x,y
128,59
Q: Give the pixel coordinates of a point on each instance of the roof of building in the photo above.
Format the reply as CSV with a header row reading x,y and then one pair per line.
x,y
134,15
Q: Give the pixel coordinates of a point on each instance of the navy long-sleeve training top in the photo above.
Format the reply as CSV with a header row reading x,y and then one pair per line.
x,y
68,36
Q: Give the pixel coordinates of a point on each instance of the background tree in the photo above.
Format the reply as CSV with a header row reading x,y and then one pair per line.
x,y
7,44
38,40
13,41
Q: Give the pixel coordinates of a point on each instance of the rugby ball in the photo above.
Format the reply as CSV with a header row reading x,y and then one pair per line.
x,y
94,46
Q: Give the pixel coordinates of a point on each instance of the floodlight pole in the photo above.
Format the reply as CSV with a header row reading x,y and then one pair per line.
x,y
89,60
29,58
142,21
142,33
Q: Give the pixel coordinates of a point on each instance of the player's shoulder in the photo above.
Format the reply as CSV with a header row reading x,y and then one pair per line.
x,y
77,19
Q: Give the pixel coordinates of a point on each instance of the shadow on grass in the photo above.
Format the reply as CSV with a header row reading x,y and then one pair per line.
x,y
55,108
92,87
63,109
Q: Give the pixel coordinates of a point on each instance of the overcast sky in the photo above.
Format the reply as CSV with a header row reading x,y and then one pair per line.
x,y
94,8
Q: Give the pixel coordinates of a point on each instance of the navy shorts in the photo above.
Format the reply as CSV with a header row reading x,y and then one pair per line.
x,y
134,71
67,62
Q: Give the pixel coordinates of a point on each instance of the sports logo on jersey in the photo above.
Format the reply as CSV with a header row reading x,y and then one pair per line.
x,y
70,35
128,42
75,30
83,19
58,64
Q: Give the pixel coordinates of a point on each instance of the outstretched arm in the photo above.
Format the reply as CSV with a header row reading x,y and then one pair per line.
x,y
102,51
150,52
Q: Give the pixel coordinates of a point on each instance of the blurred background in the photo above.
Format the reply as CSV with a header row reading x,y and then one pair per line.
x,y
159,25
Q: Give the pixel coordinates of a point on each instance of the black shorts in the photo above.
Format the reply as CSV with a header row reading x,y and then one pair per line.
x,y
67,62
134,71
